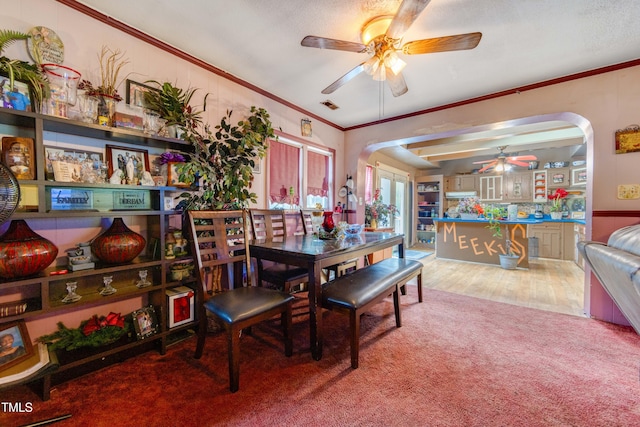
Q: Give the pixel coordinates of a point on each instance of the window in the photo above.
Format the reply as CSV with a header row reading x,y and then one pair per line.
x,y
300,175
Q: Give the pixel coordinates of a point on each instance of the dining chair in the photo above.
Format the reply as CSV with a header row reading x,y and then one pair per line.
x,y
272,224
337,269
220,249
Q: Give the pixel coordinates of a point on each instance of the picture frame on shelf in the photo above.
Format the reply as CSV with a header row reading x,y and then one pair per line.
x,y
173,177
63,164
18,155
21,98
15,344
180,305
135,94
118,158
145,322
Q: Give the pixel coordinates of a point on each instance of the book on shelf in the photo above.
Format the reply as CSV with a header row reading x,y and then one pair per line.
x,y
13,308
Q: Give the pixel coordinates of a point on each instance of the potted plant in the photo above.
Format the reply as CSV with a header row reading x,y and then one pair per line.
x,y
111,63
15,69
377,212
224,161
470,208
556,203
172,104
508,260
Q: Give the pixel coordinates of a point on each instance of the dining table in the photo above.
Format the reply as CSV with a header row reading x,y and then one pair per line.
x,y
316,254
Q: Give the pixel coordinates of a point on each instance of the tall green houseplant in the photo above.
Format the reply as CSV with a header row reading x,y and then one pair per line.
x,y
225,160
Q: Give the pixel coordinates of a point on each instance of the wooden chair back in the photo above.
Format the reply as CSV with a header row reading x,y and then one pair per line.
x,y
306,219
268,223
218,241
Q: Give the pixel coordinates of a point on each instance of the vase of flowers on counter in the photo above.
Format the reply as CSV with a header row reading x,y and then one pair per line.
x,y
556,203
470,208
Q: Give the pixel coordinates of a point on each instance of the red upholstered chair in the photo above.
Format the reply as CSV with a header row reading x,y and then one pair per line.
x,y
272,224
218,240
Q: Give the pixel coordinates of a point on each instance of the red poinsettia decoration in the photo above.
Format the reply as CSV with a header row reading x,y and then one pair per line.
x,y
96,323
556,197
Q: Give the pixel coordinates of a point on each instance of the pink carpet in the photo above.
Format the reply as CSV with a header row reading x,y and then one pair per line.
x,y
457,361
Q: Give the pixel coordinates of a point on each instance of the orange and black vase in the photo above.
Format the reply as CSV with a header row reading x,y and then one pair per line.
x,y
23,252
118,244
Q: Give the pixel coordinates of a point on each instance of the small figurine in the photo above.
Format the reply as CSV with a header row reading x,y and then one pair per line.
x,y
116,177
147,179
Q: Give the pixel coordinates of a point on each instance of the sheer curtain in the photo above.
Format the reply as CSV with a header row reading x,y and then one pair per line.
x,y
284,174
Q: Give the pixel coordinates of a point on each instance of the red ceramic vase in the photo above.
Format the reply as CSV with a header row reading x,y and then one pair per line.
x,y
328,224
23,252
118,244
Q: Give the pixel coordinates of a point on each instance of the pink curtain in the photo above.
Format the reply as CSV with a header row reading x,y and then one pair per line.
x,y
284,170
368,184
317,172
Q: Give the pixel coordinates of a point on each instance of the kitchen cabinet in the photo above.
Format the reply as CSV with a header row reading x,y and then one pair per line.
x,y
549,236
491,188
517,187
461,183
558,177
156,219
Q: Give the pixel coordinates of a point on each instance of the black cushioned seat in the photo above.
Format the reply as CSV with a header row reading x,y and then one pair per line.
x,y
244,303
355,292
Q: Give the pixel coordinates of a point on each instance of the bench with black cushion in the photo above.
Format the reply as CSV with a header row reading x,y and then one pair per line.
x,y
356,292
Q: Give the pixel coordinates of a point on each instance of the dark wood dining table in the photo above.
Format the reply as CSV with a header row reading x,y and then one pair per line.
x,y
307,251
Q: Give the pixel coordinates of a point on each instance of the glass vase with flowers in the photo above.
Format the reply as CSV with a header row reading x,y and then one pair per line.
x,y
377,212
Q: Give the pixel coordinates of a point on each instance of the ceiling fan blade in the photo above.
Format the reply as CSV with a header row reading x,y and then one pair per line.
x,y
524,158
407,13
325,43
396,83
481,162
518,163
442,44
342,80
486,167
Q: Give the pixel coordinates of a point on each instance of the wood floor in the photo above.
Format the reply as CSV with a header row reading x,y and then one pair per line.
x,y
548,284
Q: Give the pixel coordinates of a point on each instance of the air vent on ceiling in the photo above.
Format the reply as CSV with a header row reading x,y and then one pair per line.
x,y
329,105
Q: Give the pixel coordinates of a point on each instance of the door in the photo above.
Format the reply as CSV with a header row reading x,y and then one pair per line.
x,y
393,189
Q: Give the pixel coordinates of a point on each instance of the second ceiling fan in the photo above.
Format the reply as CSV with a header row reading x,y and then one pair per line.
x,y
381,38
502,162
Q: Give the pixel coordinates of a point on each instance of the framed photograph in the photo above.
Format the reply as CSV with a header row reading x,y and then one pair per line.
x,y
65,164
118,157
15,345
135,94
173,177
19,156
180,303
19,98
145,322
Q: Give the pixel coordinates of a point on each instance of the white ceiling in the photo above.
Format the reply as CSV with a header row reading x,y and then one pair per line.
x,y
523,42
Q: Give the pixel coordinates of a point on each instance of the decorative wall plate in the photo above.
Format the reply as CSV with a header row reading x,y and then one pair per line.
x,y
44,46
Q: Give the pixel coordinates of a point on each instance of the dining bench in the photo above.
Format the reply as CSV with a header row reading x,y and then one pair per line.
x,y
355,292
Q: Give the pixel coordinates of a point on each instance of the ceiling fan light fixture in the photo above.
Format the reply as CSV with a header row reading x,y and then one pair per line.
x,y
374,28
380,74
371,65
393,62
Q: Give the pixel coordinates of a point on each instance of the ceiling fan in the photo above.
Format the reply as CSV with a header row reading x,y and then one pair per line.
x,y
381,38
503,162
